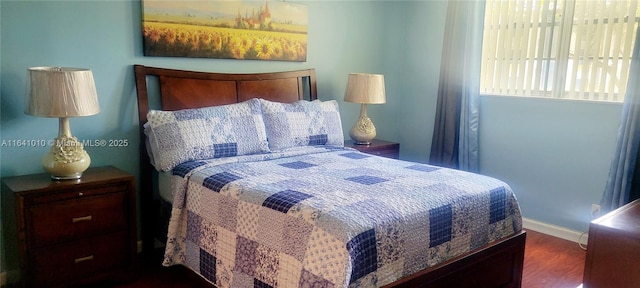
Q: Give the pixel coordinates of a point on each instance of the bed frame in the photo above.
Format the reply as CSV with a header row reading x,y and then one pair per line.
x,y
498,264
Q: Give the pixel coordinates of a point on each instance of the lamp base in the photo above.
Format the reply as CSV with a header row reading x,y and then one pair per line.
x,y
67,159
361,143
363,131
76,176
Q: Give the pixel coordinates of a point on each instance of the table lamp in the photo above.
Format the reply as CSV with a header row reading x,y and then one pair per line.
x,y
63,92
365,89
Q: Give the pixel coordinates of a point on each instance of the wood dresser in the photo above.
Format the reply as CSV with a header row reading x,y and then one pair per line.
x,y
613,251
377,147
75,231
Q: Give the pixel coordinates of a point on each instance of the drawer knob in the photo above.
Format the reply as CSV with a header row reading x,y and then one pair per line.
x,y
83,259
80,219
80,194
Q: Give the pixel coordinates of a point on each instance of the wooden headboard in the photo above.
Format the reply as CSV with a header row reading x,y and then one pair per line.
x,y
181,89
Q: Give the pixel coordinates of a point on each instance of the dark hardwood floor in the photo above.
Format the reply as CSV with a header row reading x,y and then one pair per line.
x,y
549,262
552,262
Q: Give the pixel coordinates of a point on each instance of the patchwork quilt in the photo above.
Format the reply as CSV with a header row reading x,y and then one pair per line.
x,y
328,217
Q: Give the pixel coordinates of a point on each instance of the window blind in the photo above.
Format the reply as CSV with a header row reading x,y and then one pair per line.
x,y
573,49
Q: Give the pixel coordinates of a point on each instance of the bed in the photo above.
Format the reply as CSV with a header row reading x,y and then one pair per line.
x,y
256,205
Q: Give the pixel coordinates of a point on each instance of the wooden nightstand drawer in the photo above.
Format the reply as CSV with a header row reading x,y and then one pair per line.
x,y
377,147
65,220
78,259
91,221
389,153
76,193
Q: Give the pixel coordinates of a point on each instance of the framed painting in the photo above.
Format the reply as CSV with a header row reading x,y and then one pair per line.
x,y
231,29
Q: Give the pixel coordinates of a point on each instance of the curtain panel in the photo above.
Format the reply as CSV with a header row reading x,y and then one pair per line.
x,y
623,184
455,137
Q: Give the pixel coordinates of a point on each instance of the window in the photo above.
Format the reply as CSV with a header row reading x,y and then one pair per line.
x,y
571,49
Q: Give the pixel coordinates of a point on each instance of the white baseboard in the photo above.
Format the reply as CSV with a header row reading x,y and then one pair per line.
x,y
556,231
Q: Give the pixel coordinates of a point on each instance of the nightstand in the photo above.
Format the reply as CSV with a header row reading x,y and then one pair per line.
x,y
75,231
377,147
614,249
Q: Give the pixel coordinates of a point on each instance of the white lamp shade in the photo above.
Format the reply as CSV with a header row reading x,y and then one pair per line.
x,y
365,88
61,92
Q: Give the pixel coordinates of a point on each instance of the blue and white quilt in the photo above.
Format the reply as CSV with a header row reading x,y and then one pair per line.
x,y
328,217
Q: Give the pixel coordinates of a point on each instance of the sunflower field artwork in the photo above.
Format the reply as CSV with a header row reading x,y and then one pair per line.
x,y
231,29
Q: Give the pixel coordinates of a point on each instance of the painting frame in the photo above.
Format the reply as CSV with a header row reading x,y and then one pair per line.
x,y
230,29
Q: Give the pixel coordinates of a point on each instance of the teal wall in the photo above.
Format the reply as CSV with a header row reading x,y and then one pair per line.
x,y
555,154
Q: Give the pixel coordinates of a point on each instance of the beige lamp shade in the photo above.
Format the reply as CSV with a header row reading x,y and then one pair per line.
x,y
365,88
61,92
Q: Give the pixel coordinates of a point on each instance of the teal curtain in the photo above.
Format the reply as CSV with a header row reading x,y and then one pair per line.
x,y
623,184
455,138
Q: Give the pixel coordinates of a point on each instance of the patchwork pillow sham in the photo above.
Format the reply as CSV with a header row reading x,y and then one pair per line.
x,y
332,121
302,123
203,133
